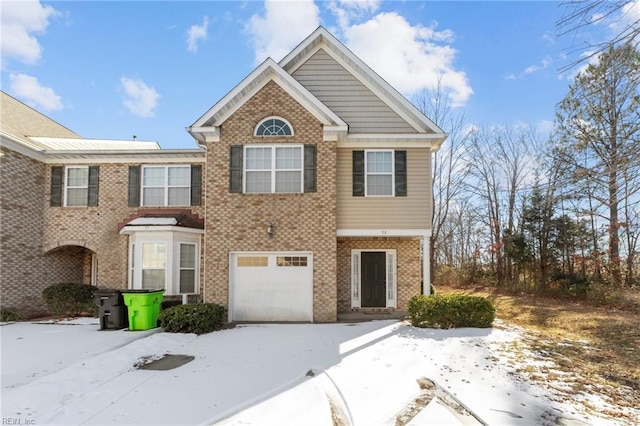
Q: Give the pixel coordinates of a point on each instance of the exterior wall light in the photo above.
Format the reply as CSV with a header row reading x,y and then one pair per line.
x,y
270,229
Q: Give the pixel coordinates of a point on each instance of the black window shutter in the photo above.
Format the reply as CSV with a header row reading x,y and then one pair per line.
x,y
401,173
56,186
358,173
134,186
196,184
310,166
235,168
94,177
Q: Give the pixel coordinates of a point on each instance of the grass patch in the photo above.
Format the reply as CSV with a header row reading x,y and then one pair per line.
x,y
599,346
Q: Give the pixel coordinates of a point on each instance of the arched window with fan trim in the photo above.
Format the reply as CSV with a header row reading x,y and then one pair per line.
x,y
273,126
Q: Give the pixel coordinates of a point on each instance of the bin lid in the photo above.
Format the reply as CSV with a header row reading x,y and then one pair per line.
x,y
138,291
107,290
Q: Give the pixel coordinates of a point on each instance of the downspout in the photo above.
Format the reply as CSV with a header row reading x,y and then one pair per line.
x,y
204,235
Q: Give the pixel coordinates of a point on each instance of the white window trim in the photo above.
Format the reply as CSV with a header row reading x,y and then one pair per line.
x,y
180,268
273,169
393,173
391,291
67,186
172,237
165,186
255,130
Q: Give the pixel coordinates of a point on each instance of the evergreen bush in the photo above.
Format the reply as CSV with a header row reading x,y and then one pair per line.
x,y
450,311
70,299
198,318
10,314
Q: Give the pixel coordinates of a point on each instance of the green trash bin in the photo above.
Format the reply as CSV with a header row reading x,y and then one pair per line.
x,y
143,307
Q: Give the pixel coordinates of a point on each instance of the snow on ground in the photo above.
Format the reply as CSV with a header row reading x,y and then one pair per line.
x,y
268,374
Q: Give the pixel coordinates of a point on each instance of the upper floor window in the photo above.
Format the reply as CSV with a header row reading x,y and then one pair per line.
x,y
273,126
165,185
380,173
273,169
74,186
283,168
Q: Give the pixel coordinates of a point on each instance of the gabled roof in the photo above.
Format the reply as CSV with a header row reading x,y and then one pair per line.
x,y
323,39
206,128
31,133
19,121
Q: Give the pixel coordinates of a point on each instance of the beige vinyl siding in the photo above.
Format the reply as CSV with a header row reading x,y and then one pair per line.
x,y
338,89
410,212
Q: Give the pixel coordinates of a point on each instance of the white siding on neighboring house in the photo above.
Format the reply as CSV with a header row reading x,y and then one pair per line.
x,y
338,89
410,212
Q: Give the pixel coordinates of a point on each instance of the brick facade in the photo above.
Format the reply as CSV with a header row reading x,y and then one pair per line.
x,y
97,228
43,245
304,222
25,270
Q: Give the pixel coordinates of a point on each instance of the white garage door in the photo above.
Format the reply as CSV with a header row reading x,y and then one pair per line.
x,y
271,286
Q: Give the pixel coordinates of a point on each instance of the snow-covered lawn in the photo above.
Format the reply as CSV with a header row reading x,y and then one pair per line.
x,y
272,374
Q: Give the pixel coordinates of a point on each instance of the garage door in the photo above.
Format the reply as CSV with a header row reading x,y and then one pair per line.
x,y
271,286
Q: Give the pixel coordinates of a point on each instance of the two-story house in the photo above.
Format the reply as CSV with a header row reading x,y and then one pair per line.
x,y
309,194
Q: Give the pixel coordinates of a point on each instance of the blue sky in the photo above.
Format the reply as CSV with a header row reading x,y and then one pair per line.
x,y
115,69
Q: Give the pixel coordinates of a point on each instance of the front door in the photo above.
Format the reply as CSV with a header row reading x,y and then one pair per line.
x,y
374,279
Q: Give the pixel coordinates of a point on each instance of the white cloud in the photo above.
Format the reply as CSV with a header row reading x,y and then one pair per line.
x,y
410,58
347,10
19,21
544,64
538,67
285,24
140,99
29,89
197,33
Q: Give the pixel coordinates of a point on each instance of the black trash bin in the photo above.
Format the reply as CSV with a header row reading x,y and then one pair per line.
x,y
112,310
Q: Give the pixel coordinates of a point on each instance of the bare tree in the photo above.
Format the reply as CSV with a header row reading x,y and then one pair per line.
x,y
448,168
599,125
580,15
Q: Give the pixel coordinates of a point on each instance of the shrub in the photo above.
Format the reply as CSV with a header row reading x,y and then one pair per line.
x,y
450,311
166,304
10,314
70,299
195,318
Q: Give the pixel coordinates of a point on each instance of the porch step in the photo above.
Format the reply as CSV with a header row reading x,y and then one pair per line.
x,y
370,314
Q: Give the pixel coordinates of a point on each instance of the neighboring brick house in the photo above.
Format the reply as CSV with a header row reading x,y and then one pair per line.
x,y
309,195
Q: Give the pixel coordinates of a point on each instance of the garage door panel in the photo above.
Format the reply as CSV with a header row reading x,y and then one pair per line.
x,y
278,288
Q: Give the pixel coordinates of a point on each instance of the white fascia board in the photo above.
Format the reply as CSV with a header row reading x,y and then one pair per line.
x,y
321,38
266,72
205,134
383,232
129,230
110,157
335,133
389,140
14,144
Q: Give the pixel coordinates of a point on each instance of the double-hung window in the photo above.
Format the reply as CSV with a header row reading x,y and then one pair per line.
x,y
76,186
273,169
166,259
166,185
379,173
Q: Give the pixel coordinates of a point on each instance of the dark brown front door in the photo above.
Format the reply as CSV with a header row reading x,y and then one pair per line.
x,y
374,279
